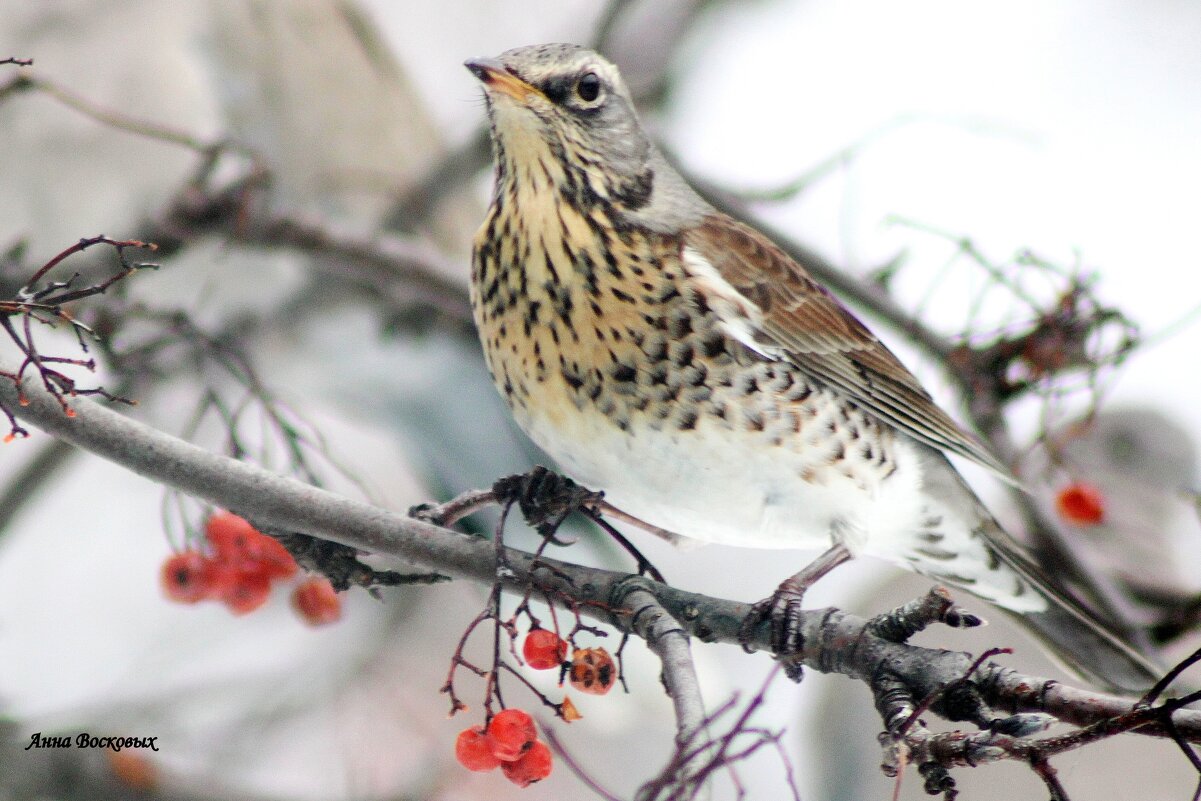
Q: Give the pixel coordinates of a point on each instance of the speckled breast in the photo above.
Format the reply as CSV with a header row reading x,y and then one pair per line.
x,y
618,368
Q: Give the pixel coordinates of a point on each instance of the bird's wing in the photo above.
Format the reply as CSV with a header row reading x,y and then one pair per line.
x,y
774,306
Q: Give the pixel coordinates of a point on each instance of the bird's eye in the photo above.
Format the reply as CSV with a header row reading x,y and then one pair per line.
x,y
588,87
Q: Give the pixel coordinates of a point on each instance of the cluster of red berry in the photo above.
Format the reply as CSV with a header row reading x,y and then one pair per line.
x,y
509,742
237,569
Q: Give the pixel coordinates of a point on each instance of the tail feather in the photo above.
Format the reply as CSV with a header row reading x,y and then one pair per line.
x,y
1081,641
1080,638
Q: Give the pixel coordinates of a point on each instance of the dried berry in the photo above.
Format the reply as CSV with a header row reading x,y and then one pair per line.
x,y
186,577
317,602
592,671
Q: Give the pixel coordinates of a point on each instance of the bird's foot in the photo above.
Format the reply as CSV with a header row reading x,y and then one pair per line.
x,y
782,610
544,497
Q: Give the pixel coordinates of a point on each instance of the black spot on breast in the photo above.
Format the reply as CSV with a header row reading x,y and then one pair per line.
x,y
624,373
682,357
573,380
681,325
713,344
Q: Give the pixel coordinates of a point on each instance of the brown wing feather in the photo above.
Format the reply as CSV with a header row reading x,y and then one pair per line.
x,y
807,326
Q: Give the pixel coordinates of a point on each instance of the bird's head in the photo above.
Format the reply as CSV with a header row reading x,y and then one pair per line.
x,y
562,112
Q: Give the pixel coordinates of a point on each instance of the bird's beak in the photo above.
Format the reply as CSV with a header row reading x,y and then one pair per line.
x,y
497,78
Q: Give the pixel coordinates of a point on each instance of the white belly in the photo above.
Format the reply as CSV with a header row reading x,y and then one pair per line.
x,y
726,487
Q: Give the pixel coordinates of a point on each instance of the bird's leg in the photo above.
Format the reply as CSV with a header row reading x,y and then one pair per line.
x,y
782,609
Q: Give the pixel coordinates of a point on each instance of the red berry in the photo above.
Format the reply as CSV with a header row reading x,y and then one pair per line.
x,y
247,592
186,577
272,556
236,541
1081,504
317,602
228,533
592,671
473,749
512,733
543,649
533,766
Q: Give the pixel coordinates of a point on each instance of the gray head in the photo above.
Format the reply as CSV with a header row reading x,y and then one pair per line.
x,y
562,94
562,111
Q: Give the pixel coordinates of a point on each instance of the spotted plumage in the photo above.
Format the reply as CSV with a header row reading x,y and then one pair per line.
x,y
677,359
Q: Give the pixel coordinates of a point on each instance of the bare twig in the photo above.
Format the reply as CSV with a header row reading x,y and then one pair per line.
x,y
119,120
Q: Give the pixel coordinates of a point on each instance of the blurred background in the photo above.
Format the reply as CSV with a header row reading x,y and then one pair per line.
x,y
883,136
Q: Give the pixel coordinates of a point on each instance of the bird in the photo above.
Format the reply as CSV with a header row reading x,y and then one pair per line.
x,y
680,361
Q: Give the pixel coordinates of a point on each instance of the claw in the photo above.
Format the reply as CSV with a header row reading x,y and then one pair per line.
x,y
782,609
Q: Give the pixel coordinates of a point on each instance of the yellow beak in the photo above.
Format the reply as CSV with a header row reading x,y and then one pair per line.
x,y
497,78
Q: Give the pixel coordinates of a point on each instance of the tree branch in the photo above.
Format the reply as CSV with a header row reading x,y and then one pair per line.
x,y
834,641
669,641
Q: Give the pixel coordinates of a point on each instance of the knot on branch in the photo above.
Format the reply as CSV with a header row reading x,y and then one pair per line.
x,y
340,563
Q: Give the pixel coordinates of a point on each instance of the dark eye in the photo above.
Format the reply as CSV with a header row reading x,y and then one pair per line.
x,y
588,87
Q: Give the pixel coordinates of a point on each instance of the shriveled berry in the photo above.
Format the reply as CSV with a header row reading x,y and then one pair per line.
x,y
512,733
533,766
543,649
1081,504
186,577
272,557
568,711
317,602
473,749
592,671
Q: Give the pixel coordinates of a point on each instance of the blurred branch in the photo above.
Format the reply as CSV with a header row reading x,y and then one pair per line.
x,y
51,456
25,82
409,269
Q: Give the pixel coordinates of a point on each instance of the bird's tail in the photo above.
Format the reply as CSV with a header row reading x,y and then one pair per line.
x,y
1080,638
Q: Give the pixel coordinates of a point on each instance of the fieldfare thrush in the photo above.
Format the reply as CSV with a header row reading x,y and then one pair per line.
x,y
677,359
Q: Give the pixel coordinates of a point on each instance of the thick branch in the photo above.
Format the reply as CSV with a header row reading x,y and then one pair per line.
x,y
833,640
669,641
